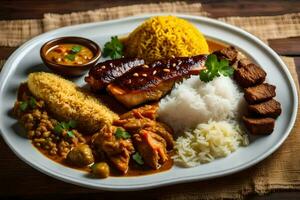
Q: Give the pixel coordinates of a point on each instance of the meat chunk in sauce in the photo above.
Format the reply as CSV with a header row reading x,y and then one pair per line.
x,y
118,151
249,75
259,126
269,108
152,148
133,125
259,93
147,111
152,139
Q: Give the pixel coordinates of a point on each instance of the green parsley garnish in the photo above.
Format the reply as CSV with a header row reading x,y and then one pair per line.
x,y
76,49
215,68
70,133
120,133
23,105
32,102
138,158
114,48
29,103
70,57
65,126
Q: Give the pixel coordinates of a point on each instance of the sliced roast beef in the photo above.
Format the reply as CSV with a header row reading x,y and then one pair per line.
x,y
249,75
259,126
269,108
260,93
229,54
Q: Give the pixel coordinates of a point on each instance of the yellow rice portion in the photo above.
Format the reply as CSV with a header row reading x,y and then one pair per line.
x,y
163,37
67,101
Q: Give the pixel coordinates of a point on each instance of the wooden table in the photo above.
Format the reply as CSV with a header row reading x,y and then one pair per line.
x,y
20,180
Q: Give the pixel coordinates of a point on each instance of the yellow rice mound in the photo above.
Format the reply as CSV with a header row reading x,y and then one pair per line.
x,y
163,37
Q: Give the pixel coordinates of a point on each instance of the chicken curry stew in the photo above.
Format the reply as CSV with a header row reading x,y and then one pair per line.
x,y
135,144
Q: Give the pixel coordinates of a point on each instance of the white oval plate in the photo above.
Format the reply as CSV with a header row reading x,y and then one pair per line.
x,y
26,59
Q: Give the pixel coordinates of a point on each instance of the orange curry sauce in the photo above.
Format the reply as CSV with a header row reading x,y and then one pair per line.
x,y
69,54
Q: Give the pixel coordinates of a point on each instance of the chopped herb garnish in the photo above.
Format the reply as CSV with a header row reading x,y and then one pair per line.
x,y
138,158
32,102
58,129
65,126
23,105
215,68
76,49
70,57
114,48
121,134
70,133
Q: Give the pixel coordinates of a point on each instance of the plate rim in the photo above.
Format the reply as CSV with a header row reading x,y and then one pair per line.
x,y
6,71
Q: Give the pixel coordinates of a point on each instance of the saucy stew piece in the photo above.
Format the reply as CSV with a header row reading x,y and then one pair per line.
x,y
69,54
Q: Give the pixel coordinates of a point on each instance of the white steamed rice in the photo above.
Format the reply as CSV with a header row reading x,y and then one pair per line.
x,y
193,102
207,142
205,116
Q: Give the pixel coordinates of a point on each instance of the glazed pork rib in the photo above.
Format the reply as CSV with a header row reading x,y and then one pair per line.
x,y
106,72
150,82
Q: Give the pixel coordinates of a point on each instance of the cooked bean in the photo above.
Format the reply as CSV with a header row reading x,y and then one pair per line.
x,y
81,155
101,170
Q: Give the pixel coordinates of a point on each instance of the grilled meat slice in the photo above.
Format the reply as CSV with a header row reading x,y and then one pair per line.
x,y
229,54
133,85
118,151
131,98
148,77
105,72
133,125
135,74
249,75
244,62
152,148
259,126
269,108
260,93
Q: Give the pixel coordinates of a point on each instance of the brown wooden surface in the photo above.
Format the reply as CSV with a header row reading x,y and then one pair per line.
x,y
18,179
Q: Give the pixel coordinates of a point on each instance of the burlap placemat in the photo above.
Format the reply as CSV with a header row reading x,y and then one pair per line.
x,y
278,172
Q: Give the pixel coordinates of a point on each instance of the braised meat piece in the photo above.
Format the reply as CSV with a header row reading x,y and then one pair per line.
x,y
269,108
249,75
259,126
259,93
229,54
106,72
133,125
117,150
151,139
152,148
147,111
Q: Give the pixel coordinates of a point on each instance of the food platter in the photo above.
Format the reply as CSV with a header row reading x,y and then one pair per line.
x,y
26,59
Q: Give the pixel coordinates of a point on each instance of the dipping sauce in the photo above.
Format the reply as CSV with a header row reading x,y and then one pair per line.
x,y
69,54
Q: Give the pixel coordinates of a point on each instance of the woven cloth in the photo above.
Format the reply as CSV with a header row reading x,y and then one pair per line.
x,y
280,171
